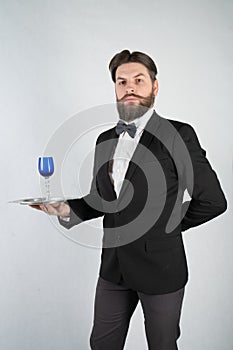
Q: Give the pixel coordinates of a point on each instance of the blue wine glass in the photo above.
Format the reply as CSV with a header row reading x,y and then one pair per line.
x,y
46,169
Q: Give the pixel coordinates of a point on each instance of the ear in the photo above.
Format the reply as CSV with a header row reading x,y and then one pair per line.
x,y
155,87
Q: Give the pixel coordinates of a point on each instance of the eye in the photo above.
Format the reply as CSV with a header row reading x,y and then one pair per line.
x,y
122,82
139,80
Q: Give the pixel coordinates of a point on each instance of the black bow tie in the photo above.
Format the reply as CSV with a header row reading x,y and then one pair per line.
x,y
130,128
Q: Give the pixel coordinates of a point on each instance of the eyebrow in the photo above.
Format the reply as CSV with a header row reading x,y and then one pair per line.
x,y
136,76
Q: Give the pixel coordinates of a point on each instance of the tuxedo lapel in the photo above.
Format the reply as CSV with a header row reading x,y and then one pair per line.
x,y
107,160
145,140
144,143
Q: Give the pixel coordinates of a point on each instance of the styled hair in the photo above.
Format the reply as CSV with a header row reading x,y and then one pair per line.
x,y
126,57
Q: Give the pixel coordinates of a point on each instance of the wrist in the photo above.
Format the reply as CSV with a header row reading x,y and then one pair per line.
x,y
65,212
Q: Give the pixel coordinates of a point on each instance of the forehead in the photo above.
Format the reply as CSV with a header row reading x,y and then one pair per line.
x,y
131,69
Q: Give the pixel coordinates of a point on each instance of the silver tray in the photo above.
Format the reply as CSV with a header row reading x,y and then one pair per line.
x,y
38,201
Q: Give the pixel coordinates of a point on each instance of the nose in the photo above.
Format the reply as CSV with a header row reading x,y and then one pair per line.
x,y
130,89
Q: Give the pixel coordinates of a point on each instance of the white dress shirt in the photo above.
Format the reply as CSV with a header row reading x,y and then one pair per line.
x,y
124,150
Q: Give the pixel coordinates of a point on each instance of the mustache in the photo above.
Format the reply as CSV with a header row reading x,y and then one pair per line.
x,y
129,95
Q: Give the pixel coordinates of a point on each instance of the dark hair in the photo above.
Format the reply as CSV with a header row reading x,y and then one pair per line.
x,y
126,57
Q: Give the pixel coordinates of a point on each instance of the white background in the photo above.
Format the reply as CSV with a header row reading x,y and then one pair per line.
x,y
54,59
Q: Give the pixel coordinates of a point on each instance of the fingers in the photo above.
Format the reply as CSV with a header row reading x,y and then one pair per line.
x,y
41,207
49,209
57,209
38,207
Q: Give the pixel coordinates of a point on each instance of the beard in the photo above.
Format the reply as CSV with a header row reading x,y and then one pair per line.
x,y
130,111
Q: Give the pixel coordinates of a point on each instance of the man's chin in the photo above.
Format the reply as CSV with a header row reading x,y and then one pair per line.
x,y
130,110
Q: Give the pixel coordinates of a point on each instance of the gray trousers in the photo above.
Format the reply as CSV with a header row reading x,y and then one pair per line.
x,y
114,306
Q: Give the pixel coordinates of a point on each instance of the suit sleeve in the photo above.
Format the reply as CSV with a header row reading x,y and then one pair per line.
x,y
207,198
88,207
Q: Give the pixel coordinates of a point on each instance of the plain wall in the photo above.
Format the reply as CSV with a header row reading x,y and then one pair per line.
x,y
54,59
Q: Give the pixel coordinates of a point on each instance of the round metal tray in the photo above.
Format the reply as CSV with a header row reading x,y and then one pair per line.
x,y
38,201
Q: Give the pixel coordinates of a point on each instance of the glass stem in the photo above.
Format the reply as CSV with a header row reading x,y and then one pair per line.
x,y
47,188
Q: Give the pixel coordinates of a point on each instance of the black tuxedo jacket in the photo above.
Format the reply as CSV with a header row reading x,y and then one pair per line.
x,y
142,240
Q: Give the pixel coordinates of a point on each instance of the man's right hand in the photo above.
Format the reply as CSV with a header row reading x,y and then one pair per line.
x,y
58,209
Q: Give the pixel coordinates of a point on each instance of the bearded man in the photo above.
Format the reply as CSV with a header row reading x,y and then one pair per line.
x,y
143,260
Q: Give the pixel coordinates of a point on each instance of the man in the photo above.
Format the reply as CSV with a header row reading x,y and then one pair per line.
x,y
143,256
